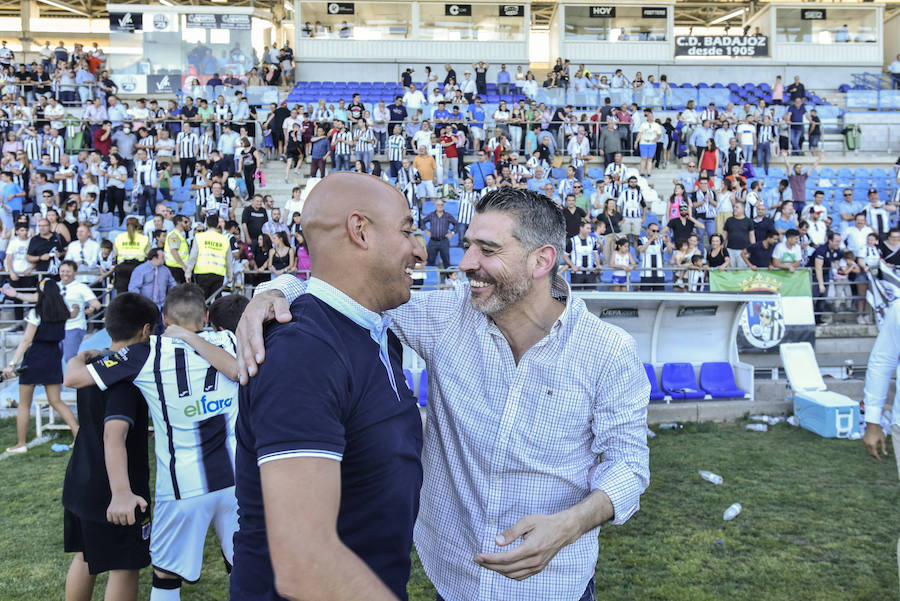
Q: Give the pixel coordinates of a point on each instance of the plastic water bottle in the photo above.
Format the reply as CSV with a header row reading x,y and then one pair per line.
x,y
775,420
711,477
669,426
59,447
757,427
650,433
855,436
760,418
793,420
732,512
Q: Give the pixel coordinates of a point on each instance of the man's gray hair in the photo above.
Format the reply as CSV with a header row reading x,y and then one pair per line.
x,y
538,221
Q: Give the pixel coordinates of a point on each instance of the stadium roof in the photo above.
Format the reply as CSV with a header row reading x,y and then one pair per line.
x,y
689,12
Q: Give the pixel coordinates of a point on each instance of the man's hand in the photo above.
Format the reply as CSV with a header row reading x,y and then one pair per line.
x,y
173,331
544,536
121,508
873,439
264,307
89,355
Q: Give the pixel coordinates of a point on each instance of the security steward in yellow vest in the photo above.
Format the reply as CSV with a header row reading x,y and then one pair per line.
x,y
131,248
177,248
209,265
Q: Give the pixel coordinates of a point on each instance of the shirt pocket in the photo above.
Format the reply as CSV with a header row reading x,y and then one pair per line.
x,y
558,422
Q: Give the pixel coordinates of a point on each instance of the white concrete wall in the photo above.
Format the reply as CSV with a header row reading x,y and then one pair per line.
x,y
390,71
891,39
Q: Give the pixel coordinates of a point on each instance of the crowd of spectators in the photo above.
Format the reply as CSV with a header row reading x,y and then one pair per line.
x,y
70,176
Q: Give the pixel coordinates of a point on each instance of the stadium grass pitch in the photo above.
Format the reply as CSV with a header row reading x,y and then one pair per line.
x,y
819,523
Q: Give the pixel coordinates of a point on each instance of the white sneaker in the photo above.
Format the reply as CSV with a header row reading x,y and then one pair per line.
x,y
861,319
17,450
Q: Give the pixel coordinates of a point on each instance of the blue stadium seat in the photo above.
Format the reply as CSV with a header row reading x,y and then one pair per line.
x,y
558,173
679,382
423,388
655,393
595,173
717,379
431,279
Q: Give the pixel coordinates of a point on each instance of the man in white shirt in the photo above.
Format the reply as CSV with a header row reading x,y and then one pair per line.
x,y
579,150
879,372
54,112
83,251
78,297
787,253
413,99
818,230
894,70
423,136
855,237
468,88
818,205
380,117
648,134
746,136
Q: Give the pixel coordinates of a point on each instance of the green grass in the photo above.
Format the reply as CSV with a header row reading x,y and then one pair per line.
x,y
819,523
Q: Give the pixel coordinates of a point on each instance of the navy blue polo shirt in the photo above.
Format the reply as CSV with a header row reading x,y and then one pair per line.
x,y
759,255
828,257
323,391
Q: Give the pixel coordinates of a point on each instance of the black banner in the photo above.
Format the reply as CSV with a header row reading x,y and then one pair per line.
x,y
613,312
163,84
211,21
602,12
655,12
340,8
458,10
752,46
812,14
126,22
512,10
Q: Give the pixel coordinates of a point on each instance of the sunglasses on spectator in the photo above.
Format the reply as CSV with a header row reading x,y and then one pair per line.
x,y
691,165
653,231
848,195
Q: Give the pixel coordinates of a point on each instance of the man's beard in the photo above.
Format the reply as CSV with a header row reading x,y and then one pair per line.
x,y
507,292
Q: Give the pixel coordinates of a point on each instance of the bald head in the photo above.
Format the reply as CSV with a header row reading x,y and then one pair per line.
x,y
335,199
358,231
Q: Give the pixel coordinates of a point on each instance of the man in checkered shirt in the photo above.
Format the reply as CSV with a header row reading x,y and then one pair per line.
x,y
536,426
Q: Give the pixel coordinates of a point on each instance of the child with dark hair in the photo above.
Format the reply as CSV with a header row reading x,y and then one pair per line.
x,y
41,357
107,484
226,311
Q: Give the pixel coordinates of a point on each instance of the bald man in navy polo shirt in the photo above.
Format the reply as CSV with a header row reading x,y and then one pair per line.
x,y
328,459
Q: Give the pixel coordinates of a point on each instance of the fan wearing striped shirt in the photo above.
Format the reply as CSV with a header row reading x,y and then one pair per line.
x,y
189,383
633,208
187,145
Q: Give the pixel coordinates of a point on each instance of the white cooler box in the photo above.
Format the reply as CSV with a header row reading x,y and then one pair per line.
x,y
828,414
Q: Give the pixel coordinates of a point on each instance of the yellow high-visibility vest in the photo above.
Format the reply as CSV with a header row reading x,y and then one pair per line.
x,y
212,252
131,251
182,251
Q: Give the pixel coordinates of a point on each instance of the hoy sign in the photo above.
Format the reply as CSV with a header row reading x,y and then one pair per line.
x,y
603,12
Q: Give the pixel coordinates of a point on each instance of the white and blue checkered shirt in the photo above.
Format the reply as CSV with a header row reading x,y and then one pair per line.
x,y
504,440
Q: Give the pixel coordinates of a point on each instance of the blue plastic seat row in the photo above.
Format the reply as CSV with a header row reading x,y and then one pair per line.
x,y
678,382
